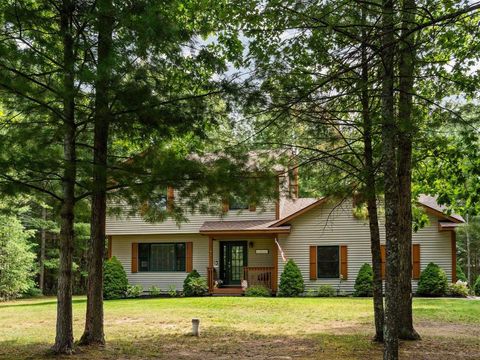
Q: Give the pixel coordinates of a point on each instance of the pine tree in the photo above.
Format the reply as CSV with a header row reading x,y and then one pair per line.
x,y
94,333
16,258
38,87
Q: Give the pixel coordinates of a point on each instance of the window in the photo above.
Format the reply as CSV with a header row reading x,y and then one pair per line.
x,y
158,201
162,257
328,262
237,204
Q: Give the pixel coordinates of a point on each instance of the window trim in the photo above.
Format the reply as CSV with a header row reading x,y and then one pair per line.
x,y
339,263
140,244
237,202
245,206
152,202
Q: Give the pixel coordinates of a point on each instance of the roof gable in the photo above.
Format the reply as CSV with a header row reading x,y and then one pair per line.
x,y
431,204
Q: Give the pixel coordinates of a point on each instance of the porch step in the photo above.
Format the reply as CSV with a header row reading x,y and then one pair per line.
x,y
228,291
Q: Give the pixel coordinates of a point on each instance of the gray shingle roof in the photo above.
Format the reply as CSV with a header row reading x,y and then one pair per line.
x,y
289,207
431,202
242,225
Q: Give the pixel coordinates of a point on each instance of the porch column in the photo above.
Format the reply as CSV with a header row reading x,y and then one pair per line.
x,y
210,264
275,264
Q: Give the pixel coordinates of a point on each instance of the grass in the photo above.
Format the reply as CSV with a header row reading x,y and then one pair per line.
x,y
236,328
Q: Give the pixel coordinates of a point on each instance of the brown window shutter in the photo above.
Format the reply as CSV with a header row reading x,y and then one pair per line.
x,y
383,254
143,208
170,197
252,207
225,206
277,200
109,253
344,261
415,261
134,257
313,263
189,262
296,191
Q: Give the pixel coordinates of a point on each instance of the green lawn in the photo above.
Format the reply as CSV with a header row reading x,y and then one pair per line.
x,y
236,328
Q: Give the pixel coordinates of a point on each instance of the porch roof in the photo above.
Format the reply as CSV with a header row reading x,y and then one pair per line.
x,y
243,226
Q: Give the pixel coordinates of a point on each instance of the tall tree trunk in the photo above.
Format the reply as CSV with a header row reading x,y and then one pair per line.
x,y
43,238
376,256
94,333
390,182
406,129
370,194
64,335
469,257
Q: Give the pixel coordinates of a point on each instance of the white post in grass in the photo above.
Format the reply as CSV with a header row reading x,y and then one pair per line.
x,y
196,327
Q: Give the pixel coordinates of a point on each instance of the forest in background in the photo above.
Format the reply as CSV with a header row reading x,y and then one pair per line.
x,y
109,100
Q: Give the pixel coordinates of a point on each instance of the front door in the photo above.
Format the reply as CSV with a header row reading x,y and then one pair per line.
x,y
233,257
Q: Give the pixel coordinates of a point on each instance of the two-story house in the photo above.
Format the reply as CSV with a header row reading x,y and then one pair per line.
x,y
323,236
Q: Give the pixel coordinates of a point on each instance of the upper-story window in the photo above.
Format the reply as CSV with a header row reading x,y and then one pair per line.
x,y
158,201
237,204
161,199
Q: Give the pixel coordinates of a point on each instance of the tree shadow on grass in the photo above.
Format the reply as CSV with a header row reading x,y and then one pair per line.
x,y
224,343
214,343
42,303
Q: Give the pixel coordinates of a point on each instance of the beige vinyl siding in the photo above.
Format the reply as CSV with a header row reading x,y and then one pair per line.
x,y
254,259
333,224
122,249
328,224
435,246
123,225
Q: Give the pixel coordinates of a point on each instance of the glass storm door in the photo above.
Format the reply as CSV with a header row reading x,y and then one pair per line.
x,y
233,257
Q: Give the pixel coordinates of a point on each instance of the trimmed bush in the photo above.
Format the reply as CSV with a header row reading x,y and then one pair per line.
x,y
172,291
115,281
154,290
476,287
460,274
291,280
197,286
257,291
326,291
134,291
364,281
433,281
187,289
459,289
